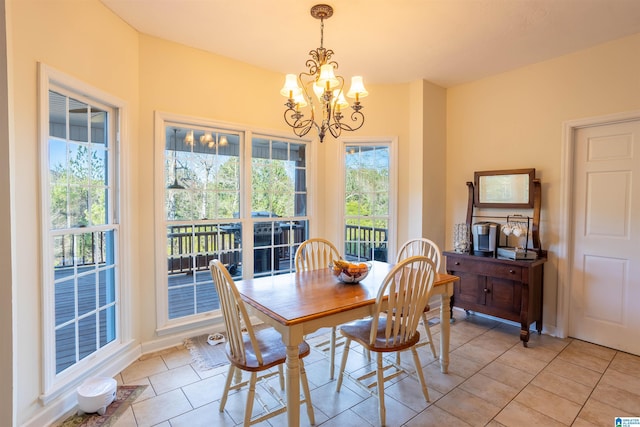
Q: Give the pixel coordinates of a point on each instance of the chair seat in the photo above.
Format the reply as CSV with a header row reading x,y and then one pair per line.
x,y
271,347
360,331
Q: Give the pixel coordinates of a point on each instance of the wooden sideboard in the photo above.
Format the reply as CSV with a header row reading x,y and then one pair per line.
x,y
503,288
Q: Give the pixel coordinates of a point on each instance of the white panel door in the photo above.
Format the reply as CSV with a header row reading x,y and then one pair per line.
x,y
605,285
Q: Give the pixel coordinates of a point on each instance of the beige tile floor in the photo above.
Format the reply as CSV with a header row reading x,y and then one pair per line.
x,y
493,380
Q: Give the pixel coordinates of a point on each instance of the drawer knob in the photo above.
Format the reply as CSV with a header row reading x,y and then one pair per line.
x,y
512,271
486,291
457,263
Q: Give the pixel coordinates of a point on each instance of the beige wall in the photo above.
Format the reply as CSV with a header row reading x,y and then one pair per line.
x,y
433,163
514,120
7,288
85,40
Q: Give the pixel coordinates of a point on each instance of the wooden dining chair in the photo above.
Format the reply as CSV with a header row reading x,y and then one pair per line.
x,y
405,290
426,247
315,254
254,351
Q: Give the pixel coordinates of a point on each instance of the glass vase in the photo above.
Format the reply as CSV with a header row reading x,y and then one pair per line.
x,y
461,238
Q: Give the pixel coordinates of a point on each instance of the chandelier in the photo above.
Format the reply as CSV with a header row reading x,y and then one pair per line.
x,y
320,81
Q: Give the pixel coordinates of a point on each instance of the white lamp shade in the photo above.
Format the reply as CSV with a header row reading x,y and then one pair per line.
x,y
327,75
300,101
357,88
291,88
339,99
223,140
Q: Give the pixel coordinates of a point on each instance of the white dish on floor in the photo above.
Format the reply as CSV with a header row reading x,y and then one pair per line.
x,y
95,394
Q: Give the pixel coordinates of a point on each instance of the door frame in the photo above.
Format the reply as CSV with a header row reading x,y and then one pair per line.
x,y
565,246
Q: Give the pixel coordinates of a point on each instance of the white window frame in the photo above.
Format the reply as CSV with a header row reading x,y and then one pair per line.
x,y
106,358
164,325
392,144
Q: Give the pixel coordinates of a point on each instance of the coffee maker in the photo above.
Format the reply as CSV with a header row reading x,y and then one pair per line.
x,y
485,238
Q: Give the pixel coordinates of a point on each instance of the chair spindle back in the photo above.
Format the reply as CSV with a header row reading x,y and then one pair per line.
x,y
234,312
407,288
315,254
421,246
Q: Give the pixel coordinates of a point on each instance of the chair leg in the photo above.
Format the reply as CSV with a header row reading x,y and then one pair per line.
x,y
281,375
250,398
343,364
307,393
380,372
238,376
332,356
227,384
426,328
416,362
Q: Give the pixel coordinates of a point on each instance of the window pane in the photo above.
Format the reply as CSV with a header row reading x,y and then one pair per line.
x,y
58,172
65,347
87,336
98,167
84,250
107,325
278,178
78,206
57,115
106,287
181,301
78,115
58,203
207,297
98,126
86,292
65,301
83,259
202,176
63,255
366,201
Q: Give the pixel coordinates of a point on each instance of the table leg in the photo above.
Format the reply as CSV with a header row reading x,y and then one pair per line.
x,y
445,329
293,386
292,339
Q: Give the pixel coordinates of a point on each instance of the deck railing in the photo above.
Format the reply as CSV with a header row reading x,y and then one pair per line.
x,y
195,246
191,248
366,243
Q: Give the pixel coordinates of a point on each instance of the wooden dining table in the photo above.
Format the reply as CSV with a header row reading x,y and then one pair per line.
x,y
297,304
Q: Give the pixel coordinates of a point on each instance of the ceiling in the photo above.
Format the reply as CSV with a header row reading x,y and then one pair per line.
x,y
447,42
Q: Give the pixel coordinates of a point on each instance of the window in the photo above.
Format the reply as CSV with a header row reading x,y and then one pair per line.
x,y
369,200
278,203
202,202
244,203
81,247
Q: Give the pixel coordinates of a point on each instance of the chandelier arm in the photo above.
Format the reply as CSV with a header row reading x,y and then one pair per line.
x,y
313,65
357,117
300,127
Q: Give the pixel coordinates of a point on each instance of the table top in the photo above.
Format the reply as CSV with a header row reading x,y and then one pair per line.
x,y
294,298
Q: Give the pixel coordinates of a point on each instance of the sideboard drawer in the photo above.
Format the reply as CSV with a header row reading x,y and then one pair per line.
x,y
494,269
